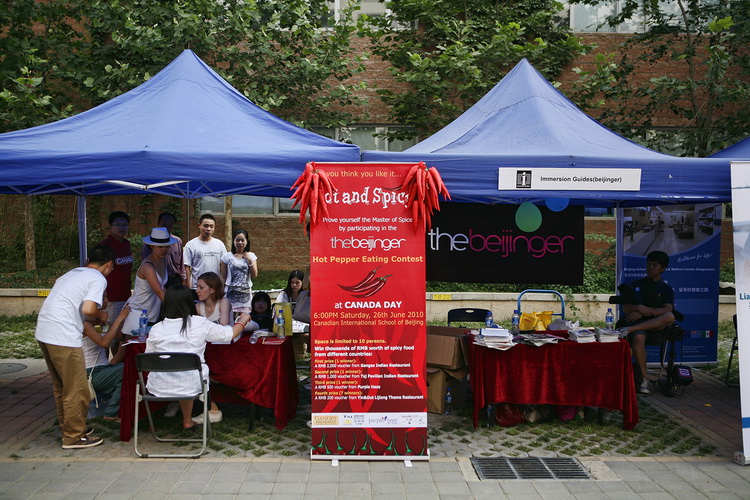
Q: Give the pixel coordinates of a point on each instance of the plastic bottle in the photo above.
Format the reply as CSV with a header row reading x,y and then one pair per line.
x,y
280,323
515,321
448,402
254,338
609,319
143,325
489,321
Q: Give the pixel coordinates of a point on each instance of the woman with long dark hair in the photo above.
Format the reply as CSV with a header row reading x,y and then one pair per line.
x,y
240,268
183,330
293,288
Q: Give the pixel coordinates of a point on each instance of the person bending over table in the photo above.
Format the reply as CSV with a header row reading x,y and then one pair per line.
x,y
182,330
107,373
651,311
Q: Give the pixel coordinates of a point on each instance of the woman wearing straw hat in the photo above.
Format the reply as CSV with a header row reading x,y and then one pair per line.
x,y
148,290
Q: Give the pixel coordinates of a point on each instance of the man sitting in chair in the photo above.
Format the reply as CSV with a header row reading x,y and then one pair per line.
x,y
650,309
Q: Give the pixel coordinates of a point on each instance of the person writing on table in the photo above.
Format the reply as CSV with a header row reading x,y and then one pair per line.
x,y
182,330
651,311
148,292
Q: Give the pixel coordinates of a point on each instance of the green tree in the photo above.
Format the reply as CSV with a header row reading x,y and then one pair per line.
x,y
88,51
708,92
449,53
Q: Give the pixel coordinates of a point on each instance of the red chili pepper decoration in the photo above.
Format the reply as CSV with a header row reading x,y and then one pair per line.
x,y
310,189
362,284
379,283
423,184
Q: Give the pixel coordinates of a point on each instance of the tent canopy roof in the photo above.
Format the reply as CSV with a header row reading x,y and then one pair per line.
x,y
738,151
524,122
185,132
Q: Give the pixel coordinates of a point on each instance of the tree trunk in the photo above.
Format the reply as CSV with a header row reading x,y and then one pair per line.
x,y
228,222
28,208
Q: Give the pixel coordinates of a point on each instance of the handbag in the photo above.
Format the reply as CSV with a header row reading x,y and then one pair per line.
x,y
508,414
92,391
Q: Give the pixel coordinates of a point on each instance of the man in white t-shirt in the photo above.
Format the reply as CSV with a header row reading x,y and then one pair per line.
x,y
76,296
203,253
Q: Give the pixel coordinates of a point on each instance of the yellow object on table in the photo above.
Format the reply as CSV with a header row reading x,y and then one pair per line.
x,y
535,320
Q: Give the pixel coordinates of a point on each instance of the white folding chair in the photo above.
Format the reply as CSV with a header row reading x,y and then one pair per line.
x,y
169,362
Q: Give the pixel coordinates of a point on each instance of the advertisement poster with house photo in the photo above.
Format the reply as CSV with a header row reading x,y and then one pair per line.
x,y
691,236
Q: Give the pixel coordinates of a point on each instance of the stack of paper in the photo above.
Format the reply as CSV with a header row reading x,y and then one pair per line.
x,y
582,335
494,338
607,334
539,339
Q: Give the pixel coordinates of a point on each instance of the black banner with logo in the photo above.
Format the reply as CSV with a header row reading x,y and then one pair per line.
x,y
473,243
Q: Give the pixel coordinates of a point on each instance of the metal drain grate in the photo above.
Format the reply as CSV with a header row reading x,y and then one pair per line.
x,y
11,367
529,468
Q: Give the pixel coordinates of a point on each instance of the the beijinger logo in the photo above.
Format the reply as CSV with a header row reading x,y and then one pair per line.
x,y
523,179
504,244
368,243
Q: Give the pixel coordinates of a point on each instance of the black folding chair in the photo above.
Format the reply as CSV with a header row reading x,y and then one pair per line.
x,y
169,362
472,315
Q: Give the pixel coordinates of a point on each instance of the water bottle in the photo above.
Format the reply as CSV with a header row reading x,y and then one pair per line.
x,y
143,325
515,321
280,326
609,319
489,321
254,338
448,402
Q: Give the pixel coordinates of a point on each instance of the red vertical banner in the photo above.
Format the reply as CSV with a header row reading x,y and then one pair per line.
x,y
368,330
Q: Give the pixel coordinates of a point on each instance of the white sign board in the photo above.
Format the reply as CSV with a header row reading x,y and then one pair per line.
x,y
570,179
741,225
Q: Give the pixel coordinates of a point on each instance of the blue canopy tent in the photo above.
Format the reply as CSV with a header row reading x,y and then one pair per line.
x,y
524,122
186,132
739,151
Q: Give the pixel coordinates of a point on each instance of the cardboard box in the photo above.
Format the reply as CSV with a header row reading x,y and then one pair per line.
x,y
438,381
447,347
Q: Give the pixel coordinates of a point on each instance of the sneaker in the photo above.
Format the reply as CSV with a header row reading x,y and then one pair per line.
x,y
89,431
171,410
643,388
213,417
85,442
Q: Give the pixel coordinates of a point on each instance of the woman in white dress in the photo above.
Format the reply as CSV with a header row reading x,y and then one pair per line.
x,y
148,289
240,268
182,330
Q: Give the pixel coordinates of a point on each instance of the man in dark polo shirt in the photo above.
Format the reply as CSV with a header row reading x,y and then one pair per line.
x,y
651,310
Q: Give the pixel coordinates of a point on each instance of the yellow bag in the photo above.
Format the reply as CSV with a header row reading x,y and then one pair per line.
x,y
535,320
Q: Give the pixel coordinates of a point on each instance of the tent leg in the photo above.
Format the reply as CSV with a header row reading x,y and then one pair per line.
x,y
82,231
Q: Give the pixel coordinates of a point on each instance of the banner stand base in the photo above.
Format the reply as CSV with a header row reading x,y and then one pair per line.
x,y
407,459
740,458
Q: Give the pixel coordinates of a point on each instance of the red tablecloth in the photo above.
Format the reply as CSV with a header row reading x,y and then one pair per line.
x,y
263,374
567,373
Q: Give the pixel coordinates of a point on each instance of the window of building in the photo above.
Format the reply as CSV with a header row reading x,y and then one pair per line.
x,y
593,18
365,136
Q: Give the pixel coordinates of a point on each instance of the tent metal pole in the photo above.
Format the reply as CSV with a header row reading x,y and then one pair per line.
x,y
82,236
619,238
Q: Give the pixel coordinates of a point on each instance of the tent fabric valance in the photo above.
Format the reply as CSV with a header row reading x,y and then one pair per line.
x,y
524,122
186,132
